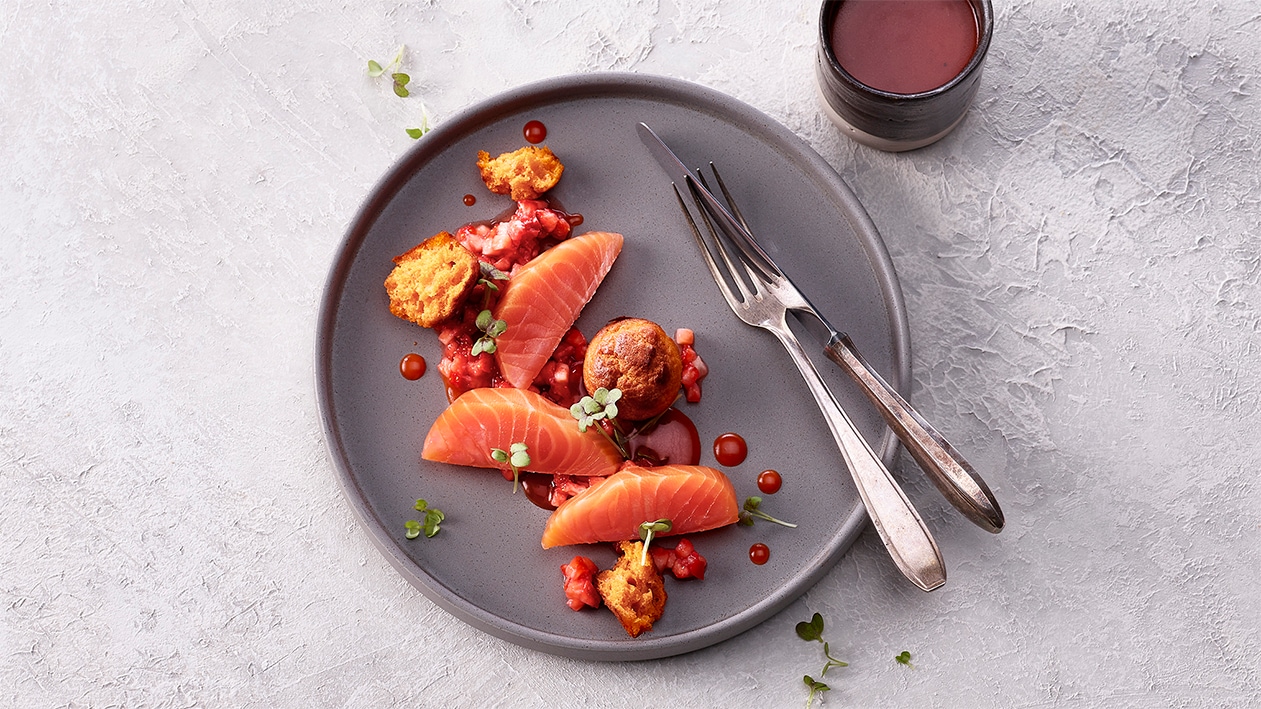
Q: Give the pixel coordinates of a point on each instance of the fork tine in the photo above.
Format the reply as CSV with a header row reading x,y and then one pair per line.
x,y
714,270
744,240
750,288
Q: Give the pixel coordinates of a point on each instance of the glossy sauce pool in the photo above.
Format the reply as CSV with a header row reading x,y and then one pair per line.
x,y
905,46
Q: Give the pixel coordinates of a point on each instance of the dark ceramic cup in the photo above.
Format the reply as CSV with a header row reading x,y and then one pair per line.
x,y
893,121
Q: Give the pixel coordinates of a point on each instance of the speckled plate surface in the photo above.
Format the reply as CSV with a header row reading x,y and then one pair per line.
x,y
487,566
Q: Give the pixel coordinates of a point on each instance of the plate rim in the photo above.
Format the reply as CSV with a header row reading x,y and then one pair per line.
x,y
572,87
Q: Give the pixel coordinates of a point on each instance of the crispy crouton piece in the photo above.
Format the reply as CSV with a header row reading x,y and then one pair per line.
x,y
522,174
634,592
429,282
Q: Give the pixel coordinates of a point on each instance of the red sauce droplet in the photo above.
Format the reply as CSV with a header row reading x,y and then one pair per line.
x,y
574,219
905,46
673,440
769,482
730,449
535,132
412,366
538,489
759,553
469,200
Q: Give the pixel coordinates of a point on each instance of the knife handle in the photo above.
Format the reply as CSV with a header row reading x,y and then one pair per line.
x,y
952,475
899,525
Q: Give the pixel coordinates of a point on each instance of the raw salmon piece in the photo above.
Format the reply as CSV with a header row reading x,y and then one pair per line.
x,y
482,419
693,497
543,299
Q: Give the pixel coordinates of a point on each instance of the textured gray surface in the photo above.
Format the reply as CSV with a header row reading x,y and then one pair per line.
x,y
1078,261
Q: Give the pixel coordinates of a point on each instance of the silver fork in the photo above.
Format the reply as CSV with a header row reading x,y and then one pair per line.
x,y
760,299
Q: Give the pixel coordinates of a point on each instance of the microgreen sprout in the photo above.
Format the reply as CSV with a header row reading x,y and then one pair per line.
x,y
489,274
600,405
751,511
811,630
516,457
415,133
430,522
904,658
816,687
400,79
647,531
832,661
491,328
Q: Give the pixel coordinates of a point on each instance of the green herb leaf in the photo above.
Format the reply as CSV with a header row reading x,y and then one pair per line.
x,y
811,630
517,459
375,69
415,133
816,687
400,84
904,658
489,271
413,528
483,320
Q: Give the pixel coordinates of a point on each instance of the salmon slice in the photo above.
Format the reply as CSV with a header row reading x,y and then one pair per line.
x,y
544,298
481,419
693,497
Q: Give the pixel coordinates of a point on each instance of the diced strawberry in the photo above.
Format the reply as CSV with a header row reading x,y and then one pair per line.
x,y
580,583
683,560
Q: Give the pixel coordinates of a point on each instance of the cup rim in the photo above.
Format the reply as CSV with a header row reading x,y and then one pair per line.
x,y
984,33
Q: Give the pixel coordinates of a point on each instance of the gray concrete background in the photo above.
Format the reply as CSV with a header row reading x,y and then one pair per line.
x,y
1079,262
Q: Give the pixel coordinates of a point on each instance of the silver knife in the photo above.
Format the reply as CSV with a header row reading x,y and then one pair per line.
x,y
953,476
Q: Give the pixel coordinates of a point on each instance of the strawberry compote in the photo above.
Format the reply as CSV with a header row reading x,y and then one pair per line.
x,y
506,244
511,242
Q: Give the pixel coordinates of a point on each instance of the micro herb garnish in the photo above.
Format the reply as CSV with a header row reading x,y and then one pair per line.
x,y
430,525
400,79
490,274
491,328
816,687
516,457
904,658
751,511
646,532
601,406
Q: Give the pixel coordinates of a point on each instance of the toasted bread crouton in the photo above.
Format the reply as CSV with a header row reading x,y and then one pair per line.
x,y
429,282
634,592
521,174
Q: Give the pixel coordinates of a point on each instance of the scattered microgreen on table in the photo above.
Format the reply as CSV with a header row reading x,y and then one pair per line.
x,y
904,658
399,81
812,631
516,457
430,521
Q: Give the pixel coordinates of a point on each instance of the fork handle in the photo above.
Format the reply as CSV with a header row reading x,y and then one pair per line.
x,y
952,475
900,528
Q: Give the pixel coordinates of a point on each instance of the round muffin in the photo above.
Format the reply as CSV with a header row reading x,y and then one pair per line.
x,y
639,358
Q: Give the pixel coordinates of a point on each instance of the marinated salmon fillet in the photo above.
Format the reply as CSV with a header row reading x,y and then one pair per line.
x,y
482,419
544,298
693,497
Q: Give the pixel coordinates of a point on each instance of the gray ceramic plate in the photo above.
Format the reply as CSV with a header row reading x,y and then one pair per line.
x,y
487,566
